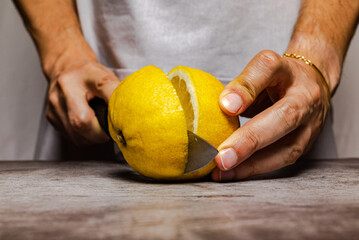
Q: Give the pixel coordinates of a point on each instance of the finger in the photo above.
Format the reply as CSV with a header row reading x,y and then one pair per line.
x,y
278,155
102,81
54,119
262,130
80,115
54,111
262,71
57,111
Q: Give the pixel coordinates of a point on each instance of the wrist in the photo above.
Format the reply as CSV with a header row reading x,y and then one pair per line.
x,y
60,52
321,53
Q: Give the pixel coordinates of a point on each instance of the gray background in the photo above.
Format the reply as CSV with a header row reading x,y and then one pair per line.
x,y
23,84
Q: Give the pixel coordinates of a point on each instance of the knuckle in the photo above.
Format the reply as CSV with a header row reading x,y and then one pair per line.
x,y
47,68
80,123
252,140
248,87
63,80
53,99
269,59
290,115
293,155
88,66
104,80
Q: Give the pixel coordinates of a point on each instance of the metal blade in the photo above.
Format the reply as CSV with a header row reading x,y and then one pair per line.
x,y
200,153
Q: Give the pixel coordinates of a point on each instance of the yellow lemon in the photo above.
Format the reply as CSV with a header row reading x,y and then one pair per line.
x,y
150,113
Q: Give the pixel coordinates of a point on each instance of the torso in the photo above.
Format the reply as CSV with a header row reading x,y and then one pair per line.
x,y
219,37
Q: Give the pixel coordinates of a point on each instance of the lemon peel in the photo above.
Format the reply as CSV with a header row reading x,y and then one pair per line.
x,y
150,112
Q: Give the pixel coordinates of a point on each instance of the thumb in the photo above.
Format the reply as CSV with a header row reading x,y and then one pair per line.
x,y
105,87
102,81
259,74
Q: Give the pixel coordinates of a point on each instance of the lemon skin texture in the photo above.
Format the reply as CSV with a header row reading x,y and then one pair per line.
x,y
147,122
149,116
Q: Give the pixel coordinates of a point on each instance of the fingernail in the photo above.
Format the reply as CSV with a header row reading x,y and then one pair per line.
x,y
228,158
232,102
225,176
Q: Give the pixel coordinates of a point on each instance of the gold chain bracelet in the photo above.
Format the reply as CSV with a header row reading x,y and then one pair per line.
x,y
308,62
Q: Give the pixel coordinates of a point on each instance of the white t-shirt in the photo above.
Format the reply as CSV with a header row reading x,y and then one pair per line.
x,y
219,37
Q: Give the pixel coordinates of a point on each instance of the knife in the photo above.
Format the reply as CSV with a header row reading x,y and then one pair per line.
x,y
200,152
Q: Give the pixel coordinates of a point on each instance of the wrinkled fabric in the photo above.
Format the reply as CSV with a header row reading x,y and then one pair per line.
x,y
219,37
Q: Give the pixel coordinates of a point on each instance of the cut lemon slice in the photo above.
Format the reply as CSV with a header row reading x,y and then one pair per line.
x,y
187,95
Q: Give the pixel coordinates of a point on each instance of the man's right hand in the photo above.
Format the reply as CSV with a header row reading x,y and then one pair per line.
x,y
68,98
70,65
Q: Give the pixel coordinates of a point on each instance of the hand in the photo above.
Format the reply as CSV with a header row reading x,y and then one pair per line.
x,y
70,65
284,130
70,90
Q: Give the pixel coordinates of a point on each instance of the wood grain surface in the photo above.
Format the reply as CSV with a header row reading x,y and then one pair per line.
x,y
101,200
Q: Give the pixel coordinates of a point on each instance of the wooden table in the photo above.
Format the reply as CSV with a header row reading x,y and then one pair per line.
x,y
101,200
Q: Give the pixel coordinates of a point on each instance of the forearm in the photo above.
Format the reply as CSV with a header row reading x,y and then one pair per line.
x,y
56,31
323,32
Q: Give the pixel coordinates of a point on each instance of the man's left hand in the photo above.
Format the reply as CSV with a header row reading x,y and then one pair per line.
x,y
288,103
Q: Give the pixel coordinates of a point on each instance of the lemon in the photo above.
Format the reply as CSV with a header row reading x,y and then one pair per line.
x,y
150,113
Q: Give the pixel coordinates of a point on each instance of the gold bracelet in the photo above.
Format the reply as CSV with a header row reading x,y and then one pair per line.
x,y
308,62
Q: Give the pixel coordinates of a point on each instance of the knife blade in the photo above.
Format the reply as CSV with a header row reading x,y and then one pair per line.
x,y
200,152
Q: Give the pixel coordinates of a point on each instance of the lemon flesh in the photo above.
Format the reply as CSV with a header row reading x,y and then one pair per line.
x,y
150,113
187,101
